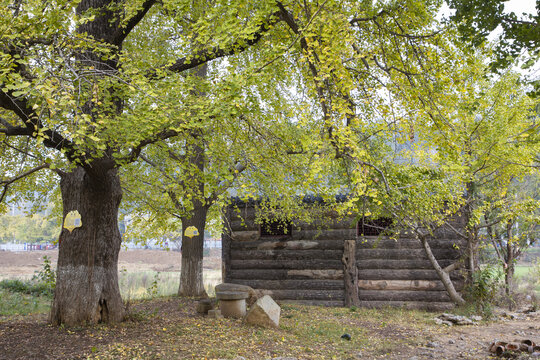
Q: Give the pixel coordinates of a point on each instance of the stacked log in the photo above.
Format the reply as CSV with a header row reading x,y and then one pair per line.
x,y
397,272
307,265
304,266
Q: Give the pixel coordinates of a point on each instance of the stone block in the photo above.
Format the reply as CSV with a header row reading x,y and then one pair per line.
x,y
265,312
233,308
205,305
215,313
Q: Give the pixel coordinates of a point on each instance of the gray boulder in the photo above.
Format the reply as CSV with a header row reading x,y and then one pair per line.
x,y
265,312
205,305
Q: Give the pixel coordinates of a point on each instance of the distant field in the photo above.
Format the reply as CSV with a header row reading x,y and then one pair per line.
x,y
527,276
142,273
146,284
522,270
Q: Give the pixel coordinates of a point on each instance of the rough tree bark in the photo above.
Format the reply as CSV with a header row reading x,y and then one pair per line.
x,y
87,275
510,257
471,233
191,274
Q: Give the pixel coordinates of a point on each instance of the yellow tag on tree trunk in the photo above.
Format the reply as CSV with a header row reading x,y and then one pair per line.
x,y
72,220
191,231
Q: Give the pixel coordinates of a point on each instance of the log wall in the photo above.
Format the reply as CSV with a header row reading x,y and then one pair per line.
x,y
307,265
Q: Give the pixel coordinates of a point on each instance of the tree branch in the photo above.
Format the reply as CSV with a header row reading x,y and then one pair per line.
x,y
33,126
25,174
123,31
204,56
225,184
5,183
452,267
136,151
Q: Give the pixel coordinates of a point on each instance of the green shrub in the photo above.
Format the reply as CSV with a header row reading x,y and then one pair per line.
x,y
46,275
28,287
483,290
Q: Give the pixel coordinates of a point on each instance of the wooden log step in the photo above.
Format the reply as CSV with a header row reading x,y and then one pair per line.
x,y
418,305
401,274
306,284
263,244
404,285
404,295
410,254
405,243
244,236
281,274
306,294
326,303
289,264
284,254
400,264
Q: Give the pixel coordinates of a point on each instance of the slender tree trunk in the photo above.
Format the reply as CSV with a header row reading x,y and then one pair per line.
x,y
87,274
443,275
472,234
509,269
191,275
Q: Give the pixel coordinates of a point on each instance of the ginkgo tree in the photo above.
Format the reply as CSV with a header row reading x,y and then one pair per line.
x,y
94,84
88,104
285,133
472,137
89,95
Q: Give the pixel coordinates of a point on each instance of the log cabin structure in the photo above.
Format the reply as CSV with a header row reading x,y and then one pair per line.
x,y
336,261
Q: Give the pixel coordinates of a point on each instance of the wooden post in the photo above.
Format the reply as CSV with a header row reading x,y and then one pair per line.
x,y
350,273
226,250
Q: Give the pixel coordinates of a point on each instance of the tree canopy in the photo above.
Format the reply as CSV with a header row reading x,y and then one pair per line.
x,y
477,19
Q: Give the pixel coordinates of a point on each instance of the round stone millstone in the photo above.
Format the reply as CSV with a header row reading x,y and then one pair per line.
x,y
232,295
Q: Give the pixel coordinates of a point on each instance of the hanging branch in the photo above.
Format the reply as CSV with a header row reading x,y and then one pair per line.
x,y
7,182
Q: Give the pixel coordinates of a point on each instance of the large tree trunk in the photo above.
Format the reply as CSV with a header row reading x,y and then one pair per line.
x,y
87,280
191,275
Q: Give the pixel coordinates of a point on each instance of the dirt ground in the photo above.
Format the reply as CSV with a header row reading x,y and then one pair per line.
x,y
171,329
164,322
26,263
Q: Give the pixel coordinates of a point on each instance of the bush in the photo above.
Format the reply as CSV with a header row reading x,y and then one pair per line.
x,y
46,275
482,293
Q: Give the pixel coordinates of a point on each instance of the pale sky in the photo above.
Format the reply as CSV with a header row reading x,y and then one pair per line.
x,y
520,6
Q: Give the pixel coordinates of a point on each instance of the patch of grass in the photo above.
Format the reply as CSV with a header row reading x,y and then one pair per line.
x,y
136,285
305,332
29,287
147,284
18,303
528,278
522,270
